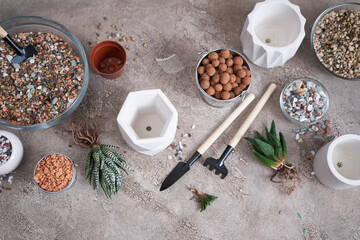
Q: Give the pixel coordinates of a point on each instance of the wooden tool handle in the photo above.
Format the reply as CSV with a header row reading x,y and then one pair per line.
x,y
3,33
244,127
225,124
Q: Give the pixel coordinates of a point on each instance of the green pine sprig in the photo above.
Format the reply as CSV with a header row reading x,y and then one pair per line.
x,y
203,198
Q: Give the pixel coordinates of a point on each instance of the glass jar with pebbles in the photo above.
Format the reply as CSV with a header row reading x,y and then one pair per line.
x,y
304,101
11,152
335,40
47,87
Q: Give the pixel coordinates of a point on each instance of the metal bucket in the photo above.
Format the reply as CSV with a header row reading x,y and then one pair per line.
x,y
210,100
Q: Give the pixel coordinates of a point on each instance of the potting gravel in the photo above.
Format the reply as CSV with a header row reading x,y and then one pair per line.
x,y
336,42
43,86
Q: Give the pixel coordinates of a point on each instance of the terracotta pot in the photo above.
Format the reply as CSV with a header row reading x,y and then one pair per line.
x,y
108,58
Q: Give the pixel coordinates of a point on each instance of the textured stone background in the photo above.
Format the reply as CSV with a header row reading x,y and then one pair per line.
x,y
248,203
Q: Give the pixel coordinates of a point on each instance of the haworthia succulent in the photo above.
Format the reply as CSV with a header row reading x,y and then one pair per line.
x,y
264,159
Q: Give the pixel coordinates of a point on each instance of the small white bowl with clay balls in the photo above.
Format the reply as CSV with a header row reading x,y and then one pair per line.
x,y
11,152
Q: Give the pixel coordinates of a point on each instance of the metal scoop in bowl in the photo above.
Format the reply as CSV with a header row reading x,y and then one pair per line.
x,y
22,53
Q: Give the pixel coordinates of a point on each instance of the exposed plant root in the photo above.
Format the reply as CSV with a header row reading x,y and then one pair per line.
x,y
287,175
85,133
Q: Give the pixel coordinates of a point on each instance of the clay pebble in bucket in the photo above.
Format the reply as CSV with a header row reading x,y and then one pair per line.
x,y
108,58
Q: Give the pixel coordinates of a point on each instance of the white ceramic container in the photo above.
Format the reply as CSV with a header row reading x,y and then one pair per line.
x,y
337,164
16,155
148,121
272,33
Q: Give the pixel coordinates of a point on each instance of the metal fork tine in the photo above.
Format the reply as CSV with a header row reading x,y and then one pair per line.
x,y
211,168
217,172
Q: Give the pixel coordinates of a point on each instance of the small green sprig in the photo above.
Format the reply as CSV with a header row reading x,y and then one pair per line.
x,y
203,198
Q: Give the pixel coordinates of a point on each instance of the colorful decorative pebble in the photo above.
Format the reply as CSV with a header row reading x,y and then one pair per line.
x,y
318,138
5,150
305,101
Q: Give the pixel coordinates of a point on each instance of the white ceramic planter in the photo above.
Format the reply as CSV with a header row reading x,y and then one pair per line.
x,y
16,155
272,33
337,164
148,121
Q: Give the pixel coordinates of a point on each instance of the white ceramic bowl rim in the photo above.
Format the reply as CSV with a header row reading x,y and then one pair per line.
x,y
333,144
295,42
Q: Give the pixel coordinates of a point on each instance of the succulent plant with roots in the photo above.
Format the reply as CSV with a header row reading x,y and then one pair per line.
x,y
271,150
103,165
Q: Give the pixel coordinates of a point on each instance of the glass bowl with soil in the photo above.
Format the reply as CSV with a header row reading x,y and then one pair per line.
x,y
335,42
55,173
222,76
46,88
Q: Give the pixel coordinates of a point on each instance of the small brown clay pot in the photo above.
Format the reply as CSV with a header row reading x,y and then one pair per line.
x,y
108,58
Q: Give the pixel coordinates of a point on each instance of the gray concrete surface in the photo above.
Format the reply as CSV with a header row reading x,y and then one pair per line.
x,y
248,203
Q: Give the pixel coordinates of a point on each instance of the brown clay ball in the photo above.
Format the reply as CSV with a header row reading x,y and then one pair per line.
x,y
208,65
246,80
232,94
222,60
245,67
225,95
241,73
212,83
227,87
205,61
224,53
204,84
201,70
213,56
205,76
237,91
248,73
210,91
238,60
238,80
211,71
231,56
243,86
224,78
234,85
222,67
216,78
229,62
229,70
237,67
215,63
217,95
232,78
218,87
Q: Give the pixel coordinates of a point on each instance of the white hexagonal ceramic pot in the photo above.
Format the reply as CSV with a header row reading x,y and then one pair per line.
x,y
148,121
272,33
